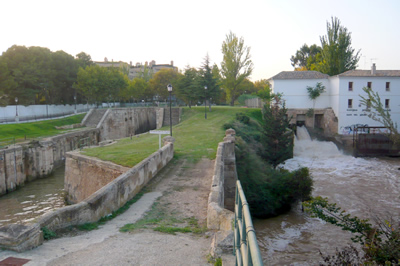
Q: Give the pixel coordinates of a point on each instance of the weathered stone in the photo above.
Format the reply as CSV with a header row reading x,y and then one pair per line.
x,y
19,237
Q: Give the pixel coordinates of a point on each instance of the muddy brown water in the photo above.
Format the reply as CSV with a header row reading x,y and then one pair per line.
x,y
33,199
364,187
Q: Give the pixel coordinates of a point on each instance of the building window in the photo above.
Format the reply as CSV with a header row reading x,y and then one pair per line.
x,y
350,86
387,103
387,86
350,103
369,85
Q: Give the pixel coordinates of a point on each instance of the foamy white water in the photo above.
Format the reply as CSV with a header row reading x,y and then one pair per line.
x,y
362,186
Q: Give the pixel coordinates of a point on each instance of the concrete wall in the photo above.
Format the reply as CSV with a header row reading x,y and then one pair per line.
x,y
223,185
40,110
28,161
101,203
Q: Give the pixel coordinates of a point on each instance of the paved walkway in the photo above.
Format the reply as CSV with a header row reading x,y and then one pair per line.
x,y
181,187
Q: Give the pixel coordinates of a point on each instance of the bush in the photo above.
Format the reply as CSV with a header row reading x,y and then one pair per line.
x,y
269,191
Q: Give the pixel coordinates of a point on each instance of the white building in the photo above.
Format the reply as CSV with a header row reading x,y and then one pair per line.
x,y
342,96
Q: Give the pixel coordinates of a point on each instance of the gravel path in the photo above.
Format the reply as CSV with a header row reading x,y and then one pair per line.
x,y
182,188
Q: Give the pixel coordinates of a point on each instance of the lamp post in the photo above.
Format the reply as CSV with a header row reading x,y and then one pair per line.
x,y
169,87
16,109
75,103
205,102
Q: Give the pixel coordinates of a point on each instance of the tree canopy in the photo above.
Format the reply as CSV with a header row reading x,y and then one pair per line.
x,y
334,56
236,65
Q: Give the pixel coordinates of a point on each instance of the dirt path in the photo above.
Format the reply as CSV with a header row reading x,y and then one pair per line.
x,y
180,191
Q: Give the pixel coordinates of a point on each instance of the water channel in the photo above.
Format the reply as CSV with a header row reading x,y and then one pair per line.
x,y
33,199
364,187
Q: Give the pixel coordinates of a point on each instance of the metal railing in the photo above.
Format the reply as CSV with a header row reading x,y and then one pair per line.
x,y
245,247
84,142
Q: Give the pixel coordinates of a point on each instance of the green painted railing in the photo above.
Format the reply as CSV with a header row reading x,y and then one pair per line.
x,y
246,247
84,142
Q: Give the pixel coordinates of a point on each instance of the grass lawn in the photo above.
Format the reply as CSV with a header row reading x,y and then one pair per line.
x,y
196,137
37,129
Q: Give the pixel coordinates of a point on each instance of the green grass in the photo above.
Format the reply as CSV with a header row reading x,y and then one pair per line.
x,y
196,138
160,220
37,129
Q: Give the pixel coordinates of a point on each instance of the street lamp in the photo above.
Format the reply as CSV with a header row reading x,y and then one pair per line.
x,y
75,103
16,109
205,102
169,87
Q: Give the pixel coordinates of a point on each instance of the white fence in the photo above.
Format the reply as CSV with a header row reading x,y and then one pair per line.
x,y
19,113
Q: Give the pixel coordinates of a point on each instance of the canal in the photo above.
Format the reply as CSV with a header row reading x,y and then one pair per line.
x,y
33,199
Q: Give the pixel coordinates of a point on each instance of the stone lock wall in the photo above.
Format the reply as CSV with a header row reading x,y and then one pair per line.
x,y
124,122
85,175
104,201
28,161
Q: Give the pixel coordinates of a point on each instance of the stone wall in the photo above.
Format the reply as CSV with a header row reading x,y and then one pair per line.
x,y
101,203
85,175
325,119
124,122
222,195
28,161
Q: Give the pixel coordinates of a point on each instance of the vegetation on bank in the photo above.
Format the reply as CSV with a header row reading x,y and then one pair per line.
x,y
38,129
270,191
380,242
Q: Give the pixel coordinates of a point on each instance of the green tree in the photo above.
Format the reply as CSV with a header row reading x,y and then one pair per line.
x,y
99,84
306,58
263,90
313,94
236,65
188,86
337,55
160,81
83,60
379,113
207,78
277,139
145,73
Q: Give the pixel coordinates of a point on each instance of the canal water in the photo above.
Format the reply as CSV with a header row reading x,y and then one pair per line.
x,y
34,199
364,187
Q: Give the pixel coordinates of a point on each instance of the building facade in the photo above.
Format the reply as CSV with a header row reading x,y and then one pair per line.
x,y
342,96
134,70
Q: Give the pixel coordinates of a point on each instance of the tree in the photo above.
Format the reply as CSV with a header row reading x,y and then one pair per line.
x,y
306,58
188,86
208,79
100,83
277,139
379,113
161,79
236,65
263,90
337,55
83,60
145,73
313,94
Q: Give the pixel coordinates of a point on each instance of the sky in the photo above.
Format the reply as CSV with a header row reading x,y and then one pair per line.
x,y
186,31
